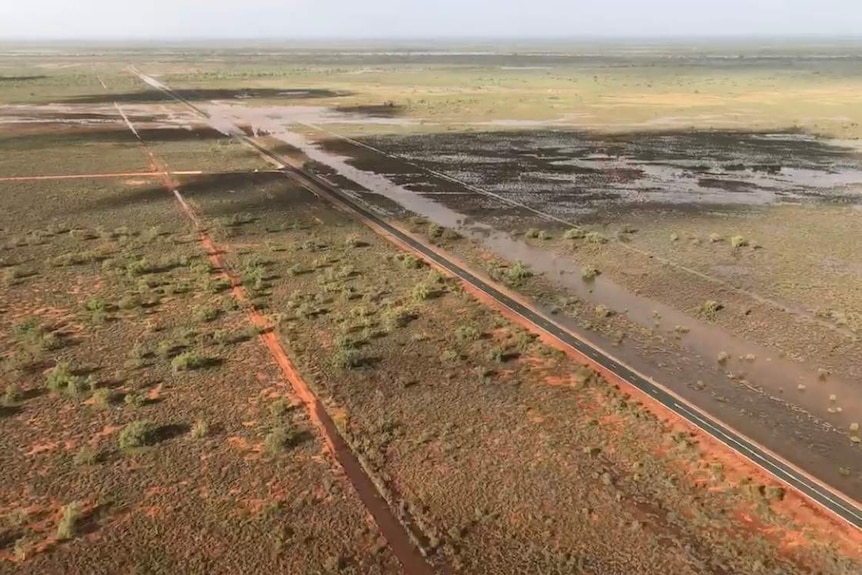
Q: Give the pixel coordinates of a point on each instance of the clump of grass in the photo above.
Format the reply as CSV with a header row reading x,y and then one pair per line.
x,y
68,526
467,333
61,379
31,333
12,396
279,407
715,238
397,317
595,238
603,312
709,308
532,233
103,398
27,329
353,241
434,231
674,237
347,358
738,241
87,455
450,235
188,361
200,429
129,302
206,313
575,233
135,400
517,273
421,292
137,434
449,356
410,261
589,273
496,354
277,440
13,276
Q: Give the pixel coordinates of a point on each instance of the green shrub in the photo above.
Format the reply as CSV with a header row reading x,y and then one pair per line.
x,y
450,235
738,241
279,407
103,397
205,314
135,400
517,273
28,328
603,312
13,395
129,302
276,441
421,292
496,354
589,273
595,238
87,455
575,233
12,276
410,261
61,379
96,304
467,333
397,317
67,528
532,233
137,434
200,429
709,308
348,358
188,361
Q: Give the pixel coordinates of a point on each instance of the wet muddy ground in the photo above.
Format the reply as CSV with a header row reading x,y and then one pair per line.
x,y
581,174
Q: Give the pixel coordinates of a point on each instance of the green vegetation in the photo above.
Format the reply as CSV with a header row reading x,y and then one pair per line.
x,y
279,407
206,314
61,379
137,434
67,528
410,261
134,400
200,429
575,233
103,398
595,238
710,308
86,455
589,273
738,241
188,361
277,440
12,396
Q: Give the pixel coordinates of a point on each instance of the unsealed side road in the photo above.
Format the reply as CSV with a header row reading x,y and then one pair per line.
x,y
807,484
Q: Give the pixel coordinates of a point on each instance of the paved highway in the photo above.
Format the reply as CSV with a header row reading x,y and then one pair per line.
x,y
841,506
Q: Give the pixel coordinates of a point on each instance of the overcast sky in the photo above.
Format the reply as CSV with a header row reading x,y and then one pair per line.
x,y
303,19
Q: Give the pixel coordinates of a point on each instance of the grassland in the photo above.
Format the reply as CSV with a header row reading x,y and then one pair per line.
x,y
145,426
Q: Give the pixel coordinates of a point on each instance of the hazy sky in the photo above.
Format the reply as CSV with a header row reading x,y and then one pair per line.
x,y
303,19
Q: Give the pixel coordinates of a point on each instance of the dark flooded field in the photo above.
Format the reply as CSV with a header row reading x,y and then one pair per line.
x,y
575,174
